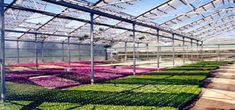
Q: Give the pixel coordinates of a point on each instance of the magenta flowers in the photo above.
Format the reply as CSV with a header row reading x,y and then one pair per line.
x,y
55,78
52,82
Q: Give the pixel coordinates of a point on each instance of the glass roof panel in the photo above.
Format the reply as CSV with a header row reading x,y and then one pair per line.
x,y
180,15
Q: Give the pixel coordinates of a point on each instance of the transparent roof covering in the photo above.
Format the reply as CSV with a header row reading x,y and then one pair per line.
x,y
197,19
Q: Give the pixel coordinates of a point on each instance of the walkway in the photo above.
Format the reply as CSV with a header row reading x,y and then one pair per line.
x,y
219,94
153,63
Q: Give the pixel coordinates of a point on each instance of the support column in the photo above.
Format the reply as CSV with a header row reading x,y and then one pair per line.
x,y
106,53
202,57
191,50
92,46
2,60
183,50
125,49
79,52
173,49
63,51
138,52
18,51
42,52
36,51
147,45
218,52
134,51
197,51
158,50
69,54
187,52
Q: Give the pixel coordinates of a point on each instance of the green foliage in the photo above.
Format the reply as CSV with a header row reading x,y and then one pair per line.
x,y
166,90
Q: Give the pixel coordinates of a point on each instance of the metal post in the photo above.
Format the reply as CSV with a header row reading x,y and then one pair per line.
x,y
173,49
42,52
158,50
79,52
92,48
63,51
183,50
202,51
134,51
138,52
2,60
160,57
147,51
218,52
197,50
187,52
69,53
106,53
18,51
191,50
125,49
36,51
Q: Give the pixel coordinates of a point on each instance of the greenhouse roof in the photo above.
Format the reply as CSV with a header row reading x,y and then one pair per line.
x,y
56,20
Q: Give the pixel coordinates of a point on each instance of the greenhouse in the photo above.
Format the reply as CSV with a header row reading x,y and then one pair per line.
x,y
117,54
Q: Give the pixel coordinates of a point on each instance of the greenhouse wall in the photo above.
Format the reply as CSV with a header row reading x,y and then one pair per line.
x,y
50,52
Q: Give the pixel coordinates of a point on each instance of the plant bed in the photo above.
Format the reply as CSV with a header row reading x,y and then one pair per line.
x,y
165,91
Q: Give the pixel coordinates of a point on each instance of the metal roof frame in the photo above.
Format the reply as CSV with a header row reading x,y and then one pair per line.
x,y
211,24
218,33
198,22
217,28
100,10
54,16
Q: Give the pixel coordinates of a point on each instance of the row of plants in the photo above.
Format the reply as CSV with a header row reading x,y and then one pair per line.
x,y
159,90
80,74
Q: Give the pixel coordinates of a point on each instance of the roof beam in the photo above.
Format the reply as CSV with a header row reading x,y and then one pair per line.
x,y
196,22
143,14
225,25
153,8
79,26
211,24
86,9
13,2
171,6
72,18
213,4
216,33
43,33
54,17
185,14
183,2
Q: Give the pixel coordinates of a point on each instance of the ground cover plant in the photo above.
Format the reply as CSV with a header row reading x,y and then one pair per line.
x,y
158,90
56,77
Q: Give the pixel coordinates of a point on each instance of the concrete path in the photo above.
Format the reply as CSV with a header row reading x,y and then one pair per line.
x,y
153,63
219,94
